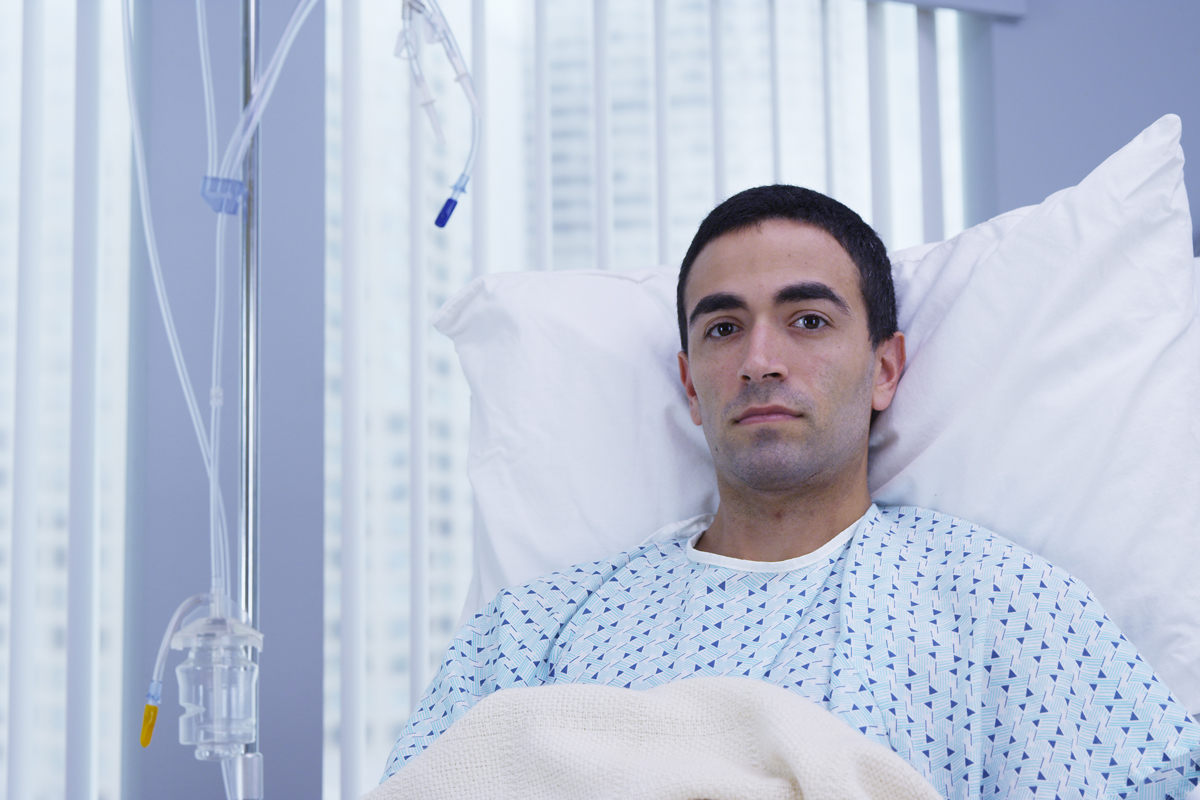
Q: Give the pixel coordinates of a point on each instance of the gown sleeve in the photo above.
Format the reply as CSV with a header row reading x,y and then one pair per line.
x,y
1079,712
508,644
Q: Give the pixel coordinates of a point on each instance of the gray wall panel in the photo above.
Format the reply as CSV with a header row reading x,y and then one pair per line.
x,y
168,525
1077,79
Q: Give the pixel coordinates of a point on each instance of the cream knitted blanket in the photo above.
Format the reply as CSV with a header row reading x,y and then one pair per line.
x,y
713,738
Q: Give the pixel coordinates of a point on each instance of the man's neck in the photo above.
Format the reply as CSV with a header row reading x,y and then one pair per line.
x,y
770,527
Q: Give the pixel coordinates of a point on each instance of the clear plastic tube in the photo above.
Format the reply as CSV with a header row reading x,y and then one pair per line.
x,y
220,549
228,778
261,92
221,584
441,32
210,106
438,21
407,47
187,606
154,693
460,185
218,536
164,305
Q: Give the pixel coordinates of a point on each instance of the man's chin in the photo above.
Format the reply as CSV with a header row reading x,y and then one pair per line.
x,y
773,472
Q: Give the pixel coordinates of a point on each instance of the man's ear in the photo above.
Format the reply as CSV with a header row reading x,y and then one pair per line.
x,y
685,375
889,363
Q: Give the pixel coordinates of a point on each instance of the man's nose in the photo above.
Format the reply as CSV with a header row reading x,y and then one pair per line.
x,y
763,359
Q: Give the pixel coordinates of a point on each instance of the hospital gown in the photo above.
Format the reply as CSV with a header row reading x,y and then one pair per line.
x,y
992,672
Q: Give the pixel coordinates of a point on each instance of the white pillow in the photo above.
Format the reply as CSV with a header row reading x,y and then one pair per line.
x,y
1051,392
581,443
1054,359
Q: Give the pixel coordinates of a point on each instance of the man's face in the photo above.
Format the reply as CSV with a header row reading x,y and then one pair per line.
x,y
780,370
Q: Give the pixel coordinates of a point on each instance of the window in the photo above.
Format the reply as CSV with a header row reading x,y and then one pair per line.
x,y
64,308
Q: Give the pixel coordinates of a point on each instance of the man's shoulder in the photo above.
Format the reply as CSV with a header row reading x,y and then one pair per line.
x,y
943,543
571,585
913,526
916,524
928,563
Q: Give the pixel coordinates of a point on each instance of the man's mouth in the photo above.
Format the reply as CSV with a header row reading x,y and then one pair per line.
x,y
757,414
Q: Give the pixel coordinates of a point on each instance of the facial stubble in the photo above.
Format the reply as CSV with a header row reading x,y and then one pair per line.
x,y
778,457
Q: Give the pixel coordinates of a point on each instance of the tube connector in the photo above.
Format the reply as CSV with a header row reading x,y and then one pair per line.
x,y
149,718
150,714
223,195
444,215
456,191
428,13
427,103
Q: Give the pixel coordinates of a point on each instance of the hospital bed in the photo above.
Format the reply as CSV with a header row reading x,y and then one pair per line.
x,y
1052,375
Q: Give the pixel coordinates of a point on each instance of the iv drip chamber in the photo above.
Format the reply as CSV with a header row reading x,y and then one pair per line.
x,y
217,686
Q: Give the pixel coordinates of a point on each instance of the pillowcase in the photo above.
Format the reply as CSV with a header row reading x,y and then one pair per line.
x,y
581,444
1051,392
1053,366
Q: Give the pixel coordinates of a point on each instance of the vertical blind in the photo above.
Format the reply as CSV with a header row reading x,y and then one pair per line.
x,y
64,307
611,128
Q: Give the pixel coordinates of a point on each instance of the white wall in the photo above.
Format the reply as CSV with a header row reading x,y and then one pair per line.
x,y
168,553
1074,80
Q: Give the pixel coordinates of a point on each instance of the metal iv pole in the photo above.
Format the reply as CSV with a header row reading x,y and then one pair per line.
x,y
248,486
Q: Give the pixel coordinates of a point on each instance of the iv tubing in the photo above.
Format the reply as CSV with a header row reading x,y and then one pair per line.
x,y
234,153
261,94
408,46
154,693
210,107
219,538
228,778
437,23
221,584
192,603
164,306
220,548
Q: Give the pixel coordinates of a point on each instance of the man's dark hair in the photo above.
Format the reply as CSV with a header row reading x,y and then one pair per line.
x,y
797,204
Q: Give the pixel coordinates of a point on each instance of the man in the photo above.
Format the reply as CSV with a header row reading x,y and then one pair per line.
x,y
784,362
990,671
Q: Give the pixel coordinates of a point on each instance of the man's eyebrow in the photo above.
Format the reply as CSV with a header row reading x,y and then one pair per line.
x,y
718,301
799,292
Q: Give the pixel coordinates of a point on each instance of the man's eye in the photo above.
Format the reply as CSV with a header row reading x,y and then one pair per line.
x,y
811,322
721,329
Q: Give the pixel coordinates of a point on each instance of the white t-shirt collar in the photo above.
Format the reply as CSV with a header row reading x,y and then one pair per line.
x,y
692,529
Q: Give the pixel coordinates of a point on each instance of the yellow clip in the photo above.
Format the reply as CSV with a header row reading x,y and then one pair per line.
x,y
149,717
